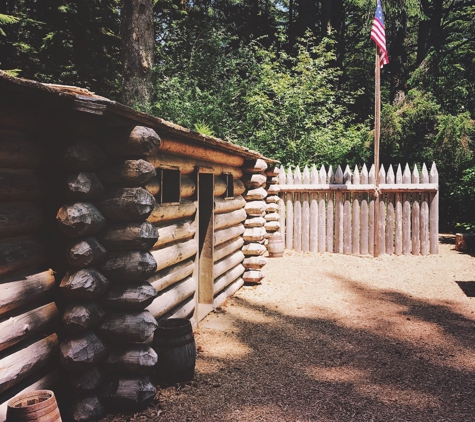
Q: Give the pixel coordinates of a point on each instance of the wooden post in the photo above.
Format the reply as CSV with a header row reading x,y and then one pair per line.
x,y
364,214
434,212
377,111
313,232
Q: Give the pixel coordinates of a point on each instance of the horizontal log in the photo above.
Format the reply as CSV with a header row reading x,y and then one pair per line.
x,y
229,219
129,236
227,263
128,173
20,150
223,235
254,234
128,393
17,218
271,208
17,253
252,181
81,316
85,381
258,194
170,298
272,180
185,148
273,189
27,361
18,328
183,310
238,187
187,186
47,382
255,208
135,141
187,165
272,226
222,205
254,222
87,408
20,185
173,254
219,187
133,359
82,156
227,278
227,248
129,266
85,252
84,186
127,204
169,212
174,231
272,172
227,292
80,352
254,262
153,186
383,187
23,288
255,166
80,219
171,275
129,327
253,249
87,283
130,297
272,216
272,199
253,276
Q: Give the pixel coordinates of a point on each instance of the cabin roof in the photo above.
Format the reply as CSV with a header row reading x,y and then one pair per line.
x,y
81,99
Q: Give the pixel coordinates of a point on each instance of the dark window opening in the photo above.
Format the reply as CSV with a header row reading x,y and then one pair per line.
x,y
228,178
170,183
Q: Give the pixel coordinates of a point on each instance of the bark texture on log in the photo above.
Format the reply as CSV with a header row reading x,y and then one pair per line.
x,y
20,185
222,205
22,288
87,283
81,351
87,408
84,186
82,156
255,262
129,236
86,381
17,253
134,359
18,218
238,187
80,219
86,252
172,274
81,316
130,327
19,150
126,297
175,253
129,393
129,173
133,266
252,181
255,166
171,232
138,141
127,204
168,212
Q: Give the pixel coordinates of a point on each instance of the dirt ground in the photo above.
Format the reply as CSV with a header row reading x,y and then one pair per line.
x,y
330,337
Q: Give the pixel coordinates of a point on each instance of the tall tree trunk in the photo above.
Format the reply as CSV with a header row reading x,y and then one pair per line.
x,y
137,52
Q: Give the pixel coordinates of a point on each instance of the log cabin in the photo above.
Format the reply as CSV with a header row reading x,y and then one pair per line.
x,y
111,219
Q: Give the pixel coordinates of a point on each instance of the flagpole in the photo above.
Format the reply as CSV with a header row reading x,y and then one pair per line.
x,y
377,130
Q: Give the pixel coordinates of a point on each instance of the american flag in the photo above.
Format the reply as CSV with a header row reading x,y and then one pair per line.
x,y
378,34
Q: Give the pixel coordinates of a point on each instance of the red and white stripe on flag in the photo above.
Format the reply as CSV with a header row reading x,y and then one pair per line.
x,y
378,34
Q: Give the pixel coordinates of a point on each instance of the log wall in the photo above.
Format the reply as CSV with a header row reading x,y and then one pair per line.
x,y
28,314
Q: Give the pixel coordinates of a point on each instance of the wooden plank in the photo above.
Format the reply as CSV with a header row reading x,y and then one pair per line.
x,y
227,278
171,275
398,216
356,216
174,231
297,212
27,361
372,206
227,263
434,212
313,220
330,210
305,213
18,328
321,198
227,248
281,204
224,205
289,222
347,235
425,246
339,213
173,254
223,235
381,214
364,214
172,297
416,233
25,287
406,214
384,187
227,292
229,219
169,212
390,178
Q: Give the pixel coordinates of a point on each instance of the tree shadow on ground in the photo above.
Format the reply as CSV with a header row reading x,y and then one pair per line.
x,y
393,369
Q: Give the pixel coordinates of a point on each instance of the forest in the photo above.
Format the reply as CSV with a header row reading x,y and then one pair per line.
x,y
292,79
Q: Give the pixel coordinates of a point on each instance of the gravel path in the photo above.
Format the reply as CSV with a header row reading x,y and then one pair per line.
x,y
330,337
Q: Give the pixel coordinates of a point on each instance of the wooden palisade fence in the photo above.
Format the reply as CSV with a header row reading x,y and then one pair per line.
x,y
326,211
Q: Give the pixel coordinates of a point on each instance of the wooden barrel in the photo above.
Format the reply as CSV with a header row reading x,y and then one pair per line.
x,y
175,346
275,247
35,406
